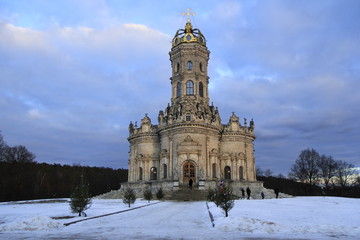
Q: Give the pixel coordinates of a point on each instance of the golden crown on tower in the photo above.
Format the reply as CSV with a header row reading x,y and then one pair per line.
x,y
188,34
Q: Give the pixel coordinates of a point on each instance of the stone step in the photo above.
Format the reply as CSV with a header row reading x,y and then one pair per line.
x,y
187,194
195,194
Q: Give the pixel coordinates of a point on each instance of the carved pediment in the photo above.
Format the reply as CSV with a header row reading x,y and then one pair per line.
x,y
189,142
225,156
189,146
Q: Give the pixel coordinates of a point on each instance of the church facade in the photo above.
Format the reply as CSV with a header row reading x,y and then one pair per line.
x,y
189,140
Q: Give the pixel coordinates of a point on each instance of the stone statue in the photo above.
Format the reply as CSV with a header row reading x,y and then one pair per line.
x,y
201,174
176,173
161,117
131,128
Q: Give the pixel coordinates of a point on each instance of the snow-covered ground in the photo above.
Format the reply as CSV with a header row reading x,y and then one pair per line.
x,y
293,218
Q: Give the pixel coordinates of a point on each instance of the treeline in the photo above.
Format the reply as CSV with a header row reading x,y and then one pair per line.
x,y
313,174
21,178
315,169
31,180
294,188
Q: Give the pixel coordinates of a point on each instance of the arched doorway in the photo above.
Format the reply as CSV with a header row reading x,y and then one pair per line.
x,y
189,172
140,173
153,173
227,172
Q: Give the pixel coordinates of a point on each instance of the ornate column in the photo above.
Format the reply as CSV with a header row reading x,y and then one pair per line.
x,y
171,157
207,166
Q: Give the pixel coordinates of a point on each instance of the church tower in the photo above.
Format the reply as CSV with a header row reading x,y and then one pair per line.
x,y
189,58
189,143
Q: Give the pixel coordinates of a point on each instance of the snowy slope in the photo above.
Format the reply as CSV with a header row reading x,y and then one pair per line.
x,y
293,218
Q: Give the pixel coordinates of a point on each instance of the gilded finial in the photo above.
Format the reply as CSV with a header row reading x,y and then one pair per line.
x,y
188,13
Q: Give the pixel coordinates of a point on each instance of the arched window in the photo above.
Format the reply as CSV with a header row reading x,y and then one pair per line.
x,y
177,68
140,173
189,88
201,89
189,65
188,117
227,172
241,172
153,173
165,170
178,90
214,170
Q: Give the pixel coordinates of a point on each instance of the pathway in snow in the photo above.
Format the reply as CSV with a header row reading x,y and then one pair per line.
x,y
160,221
109,214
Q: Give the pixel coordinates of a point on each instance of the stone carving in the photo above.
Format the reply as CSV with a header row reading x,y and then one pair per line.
x,y
200,112
201,173
252,125
176,173
131,128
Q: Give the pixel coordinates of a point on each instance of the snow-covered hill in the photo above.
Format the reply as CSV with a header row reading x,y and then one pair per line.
x,y
293,218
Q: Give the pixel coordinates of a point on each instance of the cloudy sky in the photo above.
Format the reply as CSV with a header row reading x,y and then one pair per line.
x,y
74,73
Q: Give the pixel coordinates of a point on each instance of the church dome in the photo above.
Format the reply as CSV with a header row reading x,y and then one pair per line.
x,y
188,35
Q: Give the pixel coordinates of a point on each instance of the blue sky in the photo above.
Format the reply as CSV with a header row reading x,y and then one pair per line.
x,y
74,73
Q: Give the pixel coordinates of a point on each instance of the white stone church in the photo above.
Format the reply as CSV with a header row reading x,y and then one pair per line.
x,y
189,140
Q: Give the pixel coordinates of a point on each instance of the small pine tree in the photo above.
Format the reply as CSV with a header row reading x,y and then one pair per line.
x,y
160,194
80,199
211,195
129,196
214,195
222,197
226,199
147,193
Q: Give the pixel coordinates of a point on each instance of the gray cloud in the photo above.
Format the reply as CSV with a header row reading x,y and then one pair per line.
x,y
70,88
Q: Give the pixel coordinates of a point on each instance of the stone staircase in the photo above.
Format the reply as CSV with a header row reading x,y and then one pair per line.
x,y
186,194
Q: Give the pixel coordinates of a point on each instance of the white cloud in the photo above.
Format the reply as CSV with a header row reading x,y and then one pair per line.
x,y
227,10
35,113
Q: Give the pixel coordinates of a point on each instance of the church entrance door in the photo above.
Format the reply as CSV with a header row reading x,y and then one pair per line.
x,y
189,172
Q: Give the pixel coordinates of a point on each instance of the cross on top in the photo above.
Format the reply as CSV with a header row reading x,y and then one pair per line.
x,y
188,13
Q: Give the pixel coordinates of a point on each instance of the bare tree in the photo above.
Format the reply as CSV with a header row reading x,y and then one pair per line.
x,y
280,175
357,181
268,173
344,173
259,171
18,154
327,167
3,147
305,167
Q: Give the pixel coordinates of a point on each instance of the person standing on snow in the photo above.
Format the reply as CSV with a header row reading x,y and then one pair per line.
x,y
276,190
242,193
248,191
190,183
